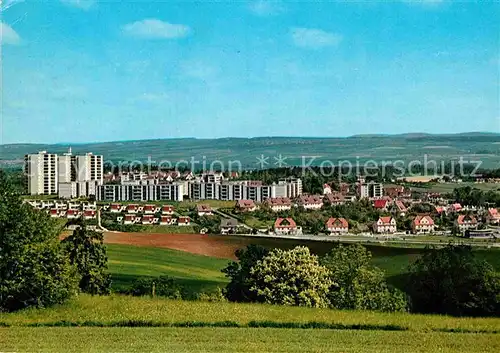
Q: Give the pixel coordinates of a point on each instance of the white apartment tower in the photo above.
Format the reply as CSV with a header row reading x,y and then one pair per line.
x,y
41,172
89,167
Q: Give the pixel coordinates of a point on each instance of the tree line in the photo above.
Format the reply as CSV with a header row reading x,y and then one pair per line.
x,y
450,280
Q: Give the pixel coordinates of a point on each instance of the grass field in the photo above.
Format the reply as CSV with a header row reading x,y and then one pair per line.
x,y
194,272
202,273
256,328
230,340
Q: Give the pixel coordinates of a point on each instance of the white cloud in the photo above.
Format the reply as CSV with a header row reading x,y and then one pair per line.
x,y
8,35
155,29
314,38
81,4
265,7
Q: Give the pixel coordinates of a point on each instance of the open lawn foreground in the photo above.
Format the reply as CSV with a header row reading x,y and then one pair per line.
x,y
230,340
127,324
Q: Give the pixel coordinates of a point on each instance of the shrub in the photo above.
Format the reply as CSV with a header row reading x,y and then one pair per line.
x,y
291,277
452,281
359,285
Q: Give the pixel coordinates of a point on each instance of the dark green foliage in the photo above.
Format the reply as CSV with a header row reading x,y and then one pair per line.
x,y
453,281
359,285
238,289
87,253
34,269
162,286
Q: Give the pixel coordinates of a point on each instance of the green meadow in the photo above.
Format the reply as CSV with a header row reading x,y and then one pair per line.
x,y
120,323
196,273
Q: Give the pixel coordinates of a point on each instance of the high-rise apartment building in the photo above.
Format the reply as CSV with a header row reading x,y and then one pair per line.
x,y
41,173
47,173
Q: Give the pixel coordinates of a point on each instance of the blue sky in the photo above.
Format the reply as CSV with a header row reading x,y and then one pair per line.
x,y
81,71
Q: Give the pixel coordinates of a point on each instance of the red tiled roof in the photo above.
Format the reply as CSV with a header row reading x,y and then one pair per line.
x,y
183,219
203,208
246,203
285,223
493,212
400,206
277,201
310,199
385,219
418,220
462,219
167,208
149,207
380,203
337,222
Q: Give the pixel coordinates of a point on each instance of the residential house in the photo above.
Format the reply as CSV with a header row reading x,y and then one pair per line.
x,y
228,226
89,214
148,219
115,208
493,216
72,214
422,224
129,219
335,198
327,189
381,204
278,204
150,209
284,226
54,212
246,205
394,191
132,208
183,221
466,222
400,207
310,202
456,207
386,224
337,225
167,210
204,210
167,220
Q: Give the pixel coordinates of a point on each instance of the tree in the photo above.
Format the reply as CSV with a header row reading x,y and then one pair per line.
x,y
87,253
291,277
453,281
34,268
238,289
360,286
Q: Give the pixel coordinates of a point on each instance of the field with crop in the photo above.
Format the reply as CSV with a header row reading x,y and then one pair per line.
x,y
120,323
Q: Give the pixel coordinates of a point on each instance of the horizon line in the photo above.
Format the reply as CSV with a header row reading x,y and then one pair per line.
x,y
375,135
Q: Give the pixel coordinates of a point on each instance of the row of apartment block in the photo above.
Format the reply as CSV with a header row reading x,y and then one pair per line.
x,y
244,190
69,175
158,192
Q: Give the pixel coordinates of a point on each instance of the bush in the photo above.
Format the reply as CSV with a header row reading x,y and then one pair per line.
x,y
290,277
162,286
217,296
452,281
359,285
238,289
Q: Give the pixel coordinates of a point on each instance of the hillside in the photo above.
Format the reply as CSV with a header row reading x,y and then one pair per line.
x,y
472,146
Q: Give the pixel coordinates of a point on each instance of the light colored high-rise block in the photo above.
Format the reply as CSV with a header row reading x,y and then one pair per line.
x,y
41,173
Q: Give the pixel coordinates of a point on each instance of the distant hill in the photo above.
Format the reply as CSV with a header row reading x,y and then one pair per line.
x,y
297,150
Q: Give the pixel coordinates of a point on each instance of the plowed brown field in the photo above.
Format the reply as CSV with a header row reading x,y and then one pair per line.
x,y
194,243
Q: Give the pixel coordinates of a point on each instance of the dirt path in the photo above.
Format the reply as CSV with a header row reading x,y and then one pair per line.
x,y
200,244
